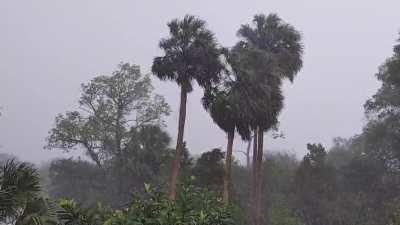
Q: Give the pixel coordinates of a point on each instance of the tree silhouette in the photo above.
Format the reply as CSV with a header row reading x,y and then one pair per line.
x,y
271,51
190,53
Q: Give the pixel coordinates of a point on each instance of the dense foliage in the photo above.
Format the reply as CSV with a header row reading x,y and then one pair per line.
x,y
21,203
192,206
120,129
120,125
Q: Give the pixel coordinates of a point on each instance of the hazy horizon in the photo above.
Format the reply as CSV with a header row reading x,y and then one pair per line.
x,y
48,48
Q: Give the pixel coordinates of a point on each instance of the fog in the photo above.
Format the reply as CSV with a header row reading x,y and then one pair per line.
x,y
48,48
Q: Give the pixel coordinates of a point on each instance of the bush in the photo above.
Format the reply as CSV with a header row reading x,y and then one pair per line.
x,y
193,206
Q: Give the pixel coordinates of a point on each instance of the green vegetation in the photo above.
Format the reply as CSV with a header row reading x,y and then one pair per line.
x,y
21,202
191,53
131,176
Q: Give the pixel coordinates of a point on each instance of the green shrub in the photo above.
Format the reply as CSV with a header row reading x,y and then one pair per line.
x,y
71,213
193,206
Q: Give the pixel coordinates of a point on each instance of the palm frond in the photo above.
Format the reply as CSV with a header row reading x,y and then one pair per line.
x,y
191,53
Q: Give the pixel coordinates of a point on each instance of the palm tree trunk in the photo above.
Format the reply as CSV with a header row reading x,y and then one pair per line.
x,y
253,179
248,154
228,168
258,192
179,145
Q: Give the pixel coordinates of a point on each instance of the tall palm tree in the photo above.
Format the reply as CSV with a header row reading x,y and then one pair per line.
x,y
274,50
222,112
190,53
234,103
261,101
222,105
225,102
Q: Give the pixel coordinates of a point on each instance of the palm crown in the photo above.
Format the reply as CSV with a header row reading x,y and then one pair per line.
x,y
191,53
278,39
269,51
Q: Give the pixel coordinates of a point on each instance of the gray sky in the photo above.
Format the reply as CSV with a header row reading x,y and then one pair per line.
x,y
48,48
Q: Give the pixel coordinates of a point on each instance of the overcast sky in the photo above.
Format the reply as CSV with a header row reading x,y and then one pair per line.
x,y
48,48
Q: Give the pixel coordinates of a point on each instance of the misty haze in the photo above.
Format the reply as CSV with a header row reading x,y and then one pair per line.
x,y
199,112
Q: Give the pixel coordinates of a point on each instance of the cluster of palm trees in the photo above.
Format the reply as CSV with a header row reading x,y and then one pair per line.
x,y
242,85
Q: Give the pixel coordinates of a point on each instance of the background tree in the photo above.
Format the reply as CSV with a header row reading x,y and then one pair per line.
x,y
120,129
209,170
146,161
191,53
315,187
279,171
113,107
79,180
383,113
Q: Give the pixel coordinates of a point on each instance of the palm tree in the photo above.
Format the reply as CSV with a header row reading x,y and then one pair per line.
x,y
20,200
272,52
261,101
224,102
221,107
234,102
190,53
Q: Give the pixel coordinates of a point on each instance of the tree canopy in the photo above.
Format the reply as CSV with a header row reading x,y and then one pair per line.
x,y
191,53
113,108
